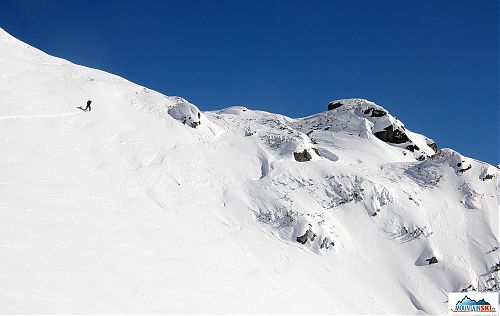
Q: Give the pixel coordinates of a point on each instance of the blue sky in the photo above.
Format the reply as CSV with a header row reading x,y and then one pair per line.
x,y
434,64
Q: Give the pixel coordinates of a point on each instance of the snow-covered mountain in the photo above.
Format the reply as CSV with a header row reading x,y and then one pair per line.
x,y
147,204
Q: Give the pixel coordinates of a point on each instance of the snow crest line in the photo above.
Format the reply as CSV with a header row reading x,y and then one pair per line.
x,y
36,116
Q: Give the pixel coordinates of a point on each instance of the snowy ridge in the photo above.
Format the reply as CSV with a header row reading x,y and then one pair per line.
x,y
148,204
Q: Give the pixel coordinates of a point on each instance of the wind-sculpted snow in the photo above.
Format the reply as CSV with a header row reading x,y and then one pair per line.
x,y
364,118
148,204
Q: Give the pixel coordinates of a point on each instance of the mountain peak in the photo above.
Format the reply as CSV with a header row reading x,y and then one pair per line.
x,y
363,118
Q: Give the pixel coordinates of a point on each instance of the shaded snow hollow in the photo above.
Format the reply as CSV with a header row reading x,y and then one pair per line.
x,y
148,205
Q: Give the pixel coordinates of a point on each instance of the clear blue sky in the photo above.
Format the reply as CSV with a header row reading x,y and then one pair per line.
x,y
434,64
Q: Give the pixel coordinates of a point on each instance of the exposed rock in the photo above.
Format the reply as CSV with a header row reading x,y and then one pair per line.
x,y
488,177
433,146
492,250
470,288
326,243
391,135
496,267
412,147
333,105
374,112
462,170
303,239
308,234
302,156
316,151
316,238
488,173
187,113
432,260
313,236
249,132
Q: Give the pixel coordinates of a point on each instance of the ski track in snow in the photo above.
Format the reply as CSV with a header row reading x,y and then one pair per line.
x,y
12,117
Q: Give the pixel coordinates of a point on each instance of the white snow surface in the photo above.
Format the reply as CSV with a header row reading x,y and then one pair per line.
x,y
125,209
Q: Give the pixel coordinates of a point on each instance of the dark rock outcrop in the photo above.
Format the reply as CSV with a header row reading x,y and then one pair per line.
x,y
433,146
470,288
412,147
303,239
496,267
326,243
374,112
462,170
488,177
432,260
391,135
194,124
333,105
313,236
302,156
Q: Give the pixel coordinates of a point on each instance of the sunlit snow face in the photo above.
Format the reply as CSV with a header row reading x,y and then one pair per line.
x,y
186,113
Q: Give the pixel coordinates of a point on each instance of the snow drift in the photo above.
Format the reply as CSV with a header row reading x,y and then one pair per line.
x,y
146,204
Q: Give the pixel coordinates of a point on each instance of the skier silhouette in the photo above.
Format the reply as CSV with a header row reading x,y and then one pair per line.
x,y
88,106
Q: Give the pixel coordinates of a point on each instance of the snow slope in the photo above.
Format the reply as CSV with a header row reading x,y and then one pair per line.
x,y
146,204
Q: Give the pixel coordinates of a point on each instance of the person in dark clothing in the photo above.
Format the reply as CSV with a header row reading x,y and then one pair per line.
x,y
88,106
